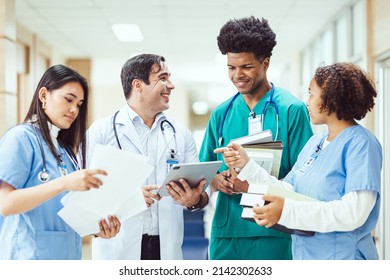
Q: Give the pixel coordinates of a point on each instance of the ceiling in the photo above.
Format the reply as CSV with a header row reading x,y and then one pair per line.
x,y
183,31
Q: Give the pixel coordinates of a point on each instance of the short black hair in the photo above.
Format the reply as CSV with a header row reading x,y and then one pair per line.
x,y
248,34
347,90
139,67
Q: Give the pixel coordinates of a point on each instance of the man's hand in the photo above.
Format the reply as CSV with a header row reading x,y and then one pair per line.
x,y
238,186
228,183
150,194
184,194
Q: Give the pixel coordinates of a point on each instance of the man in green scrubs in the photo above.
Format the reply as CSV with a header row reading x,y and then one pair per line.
x,y
248,43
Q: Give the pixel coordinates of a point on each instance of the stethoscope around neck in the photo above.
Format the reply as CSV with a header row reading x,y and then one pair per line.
x,y
163,123
268,104
43,175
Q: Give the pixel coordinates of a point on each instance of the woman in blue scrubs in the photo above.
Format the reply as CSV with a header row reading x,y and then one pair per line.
x,y
39,167
340,167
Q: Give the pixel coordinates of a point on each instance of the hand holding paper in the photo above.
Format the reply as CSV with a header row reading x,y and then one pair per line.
x,y
120,194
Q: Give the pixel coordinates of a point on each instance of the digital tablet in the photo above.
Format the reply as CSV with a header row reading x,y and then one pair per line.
x,y
193,173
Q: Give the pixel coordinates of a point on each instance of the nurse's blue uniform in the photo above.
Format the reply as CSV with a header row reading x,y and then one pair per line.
x,y
351,162
39,233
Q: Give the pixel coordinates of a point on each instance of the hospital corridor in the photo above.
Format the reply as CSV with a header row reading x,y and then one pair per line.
x,y
187,108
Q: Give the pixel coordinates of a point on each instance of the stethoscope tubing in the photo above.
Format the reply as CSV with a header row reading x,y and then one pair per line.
x,y
172,151
43,175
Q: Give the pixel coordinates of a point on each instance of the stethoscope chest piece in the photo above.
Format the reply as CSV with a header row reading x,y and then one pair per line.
x,y
43,176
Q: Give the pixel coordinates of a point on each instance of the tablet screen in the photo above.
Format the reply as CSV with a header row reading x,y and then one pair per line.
x,y
193,173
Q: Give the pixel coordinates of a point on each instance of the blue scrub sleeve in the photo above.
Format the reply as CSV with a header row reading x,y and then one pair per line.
x,y
16,153
363,164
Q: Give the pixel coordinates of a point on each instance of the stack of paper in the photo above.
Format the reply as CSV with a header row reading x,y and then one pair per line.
x,y
261,148
254,197
120,195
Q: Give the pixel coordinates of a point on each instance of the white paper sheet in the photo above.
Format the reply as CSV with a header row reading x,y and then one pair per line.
x,y
120,194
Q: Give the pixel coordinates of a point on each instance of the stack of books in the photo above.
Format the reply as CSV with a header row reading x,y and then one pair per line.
x,y
257,138
261,148
254,197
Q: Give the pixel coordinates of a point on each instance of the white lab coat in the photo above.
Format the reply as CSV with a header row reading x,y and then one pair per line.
x,y
127,243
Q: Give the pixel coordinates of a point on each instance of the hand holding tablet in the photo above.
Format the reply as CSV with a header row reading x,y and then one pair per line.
x,y
193,173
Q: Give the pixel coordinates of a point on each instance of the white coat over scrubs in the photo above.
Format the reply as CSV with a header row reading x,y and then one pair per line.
x,y
127,243
39,233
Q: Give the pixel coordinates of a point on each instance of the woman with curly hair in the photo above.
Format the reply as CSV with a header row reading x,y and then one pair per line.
x,y
340,167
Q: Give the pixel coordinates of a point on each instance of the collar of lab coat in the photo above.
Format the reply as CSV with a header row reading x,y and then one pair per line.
x,y
125,125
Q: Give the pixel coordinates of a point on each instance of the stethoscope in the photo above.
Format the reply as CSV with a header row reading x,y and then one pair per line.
x,y
43,175
163,124
268,104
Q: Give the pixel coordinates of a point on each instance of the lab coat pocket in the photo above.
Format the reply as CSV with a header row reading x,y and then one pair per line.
x,y
51,245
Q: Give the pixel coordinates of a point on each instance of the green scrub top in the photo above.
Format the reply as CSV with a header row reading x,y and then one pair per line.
x,y
294,130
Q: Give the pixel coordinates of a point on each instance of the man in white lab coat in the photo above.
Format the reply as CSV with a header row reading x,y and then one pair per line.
x,y
141,127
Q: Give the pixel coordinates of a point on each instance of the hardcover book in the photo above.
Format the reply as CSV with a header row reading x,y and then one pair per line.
x,y
254,196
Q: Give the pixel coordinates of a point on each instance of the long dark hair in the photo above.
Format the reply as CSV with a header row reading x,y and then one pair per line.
x,y
73,138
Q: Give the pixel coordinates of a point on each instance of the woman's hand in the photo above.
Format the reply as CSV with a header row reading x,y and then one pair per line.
x,y
110,230
83,180
269,214
234,155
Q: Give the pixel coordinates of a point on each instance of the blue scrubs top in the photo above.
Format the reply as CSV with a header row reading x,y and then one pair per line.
x,y
39,233
351,162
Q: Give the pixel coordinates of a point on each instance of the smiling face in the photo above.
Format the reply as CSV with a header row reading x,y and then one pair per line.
x,y
62,105
155,96
246,72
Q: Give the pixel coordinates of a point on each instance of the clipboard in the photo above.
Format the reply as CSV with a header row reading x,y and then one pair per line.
x,y
193,173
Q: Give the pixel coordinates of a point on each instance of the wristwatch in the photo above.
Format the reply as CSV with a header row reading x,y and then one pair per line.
x,y
197,206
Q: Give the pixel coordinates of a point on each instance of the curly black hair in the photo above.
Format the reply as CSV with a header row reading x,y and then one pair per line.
x,y
346,90
247,34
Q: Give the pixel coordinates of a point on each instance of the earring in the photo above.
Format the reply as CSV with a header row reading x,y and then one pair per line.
x,y
44,105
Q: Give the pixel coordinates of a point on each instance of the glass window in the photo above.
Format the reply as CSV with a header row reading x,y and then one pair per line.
x,y
306,67
327,49
358,33
342,38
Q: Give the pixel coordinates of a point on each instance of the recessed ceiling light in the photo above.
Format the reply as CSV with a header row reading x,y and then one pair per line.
x,y
127,32
200,108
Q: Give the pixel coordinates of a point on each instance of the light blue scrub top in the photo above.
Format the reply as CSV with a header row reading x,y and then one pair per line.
x,y
351,162
39,233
